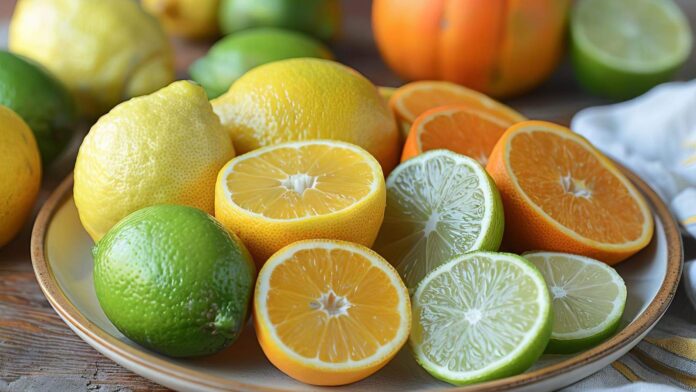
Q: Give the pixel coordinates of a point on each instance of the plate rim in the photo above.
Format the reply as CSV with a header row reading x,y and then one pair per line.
x,y
70,314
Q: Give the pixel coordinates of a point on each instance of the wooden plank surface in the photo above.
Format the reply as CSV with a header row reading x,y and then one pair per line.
x,y
38,352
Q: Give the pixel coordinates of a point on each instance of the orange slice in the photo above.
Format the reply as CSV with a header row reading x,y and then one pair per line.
x,y
330,312
413,99
467,131
561,194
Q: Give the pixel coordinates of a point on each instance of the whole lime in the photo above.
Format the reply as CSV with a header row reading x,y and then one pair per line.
x,y
234,55
172,279
320,18
41,100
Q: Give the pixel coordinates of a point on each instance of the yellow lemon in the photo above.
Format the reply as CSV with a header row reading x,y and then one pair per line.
x,y
104,51
20,176
330,312
280,194
305,99
186,18
163,148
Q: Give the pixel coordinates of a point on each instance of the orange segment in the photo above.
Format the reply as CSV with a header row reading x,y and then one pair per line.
x,y
467,131
330,312
561,194
413,99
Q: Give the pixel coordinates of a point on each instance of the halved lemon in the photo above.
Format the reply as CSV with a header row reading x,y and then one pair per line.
x,y
330,312
561,194
280,194
413,99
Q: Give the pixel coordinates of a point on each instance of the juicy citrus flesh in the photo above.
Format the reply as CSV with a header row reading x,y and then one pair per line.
x,y
586,198
588,298
291,183
439,205
638,35
280,194
413,99
330,312
466,131
480,316
561,194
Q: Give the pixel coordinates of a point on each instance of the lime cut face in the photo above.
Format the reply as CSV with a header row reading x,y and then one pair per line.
x,y
439,205
479,317
637,34
588,299
622,48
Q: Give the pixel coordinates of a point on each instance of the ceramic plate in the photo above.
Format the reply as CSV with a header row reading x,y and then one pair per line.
x,y
63,266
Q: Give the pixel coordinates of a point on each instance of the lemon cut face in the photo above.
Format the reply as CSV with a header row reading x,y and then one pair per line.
x,y
274,196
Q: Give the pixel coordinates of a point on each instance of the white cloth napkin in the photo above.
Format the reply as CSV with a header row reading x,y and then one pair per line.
x,y
655,136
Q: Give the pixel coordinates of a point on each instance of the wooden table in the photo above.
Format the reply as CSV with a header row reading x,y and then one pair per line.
x,y
37,350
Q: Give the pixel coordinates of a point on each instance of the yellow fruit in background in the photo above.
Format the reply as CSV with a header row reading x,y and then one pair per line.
x,y
277,195
305,99
163,148
186,18
20,173
104,51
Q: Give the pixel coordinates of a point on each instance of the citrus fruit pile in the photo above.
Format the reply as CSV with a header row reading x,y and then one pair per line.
x,y
346,219
284,174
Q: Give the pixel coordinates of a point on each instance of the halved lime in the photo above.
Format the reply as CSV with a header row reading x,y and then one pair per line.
x,y
588,299
479,317
439,205
622,48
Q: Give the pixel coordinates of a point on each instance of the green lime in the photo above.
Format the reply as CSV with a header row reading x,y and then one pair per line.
x,y
439,205
622,48
234,55
172,279
41,100
319,18
588,299
479,317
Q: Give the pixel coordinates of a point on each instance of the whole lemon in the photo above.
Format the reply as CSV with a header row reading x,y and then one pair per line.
x,y
20,176
305,99
104,51
186,18
163,148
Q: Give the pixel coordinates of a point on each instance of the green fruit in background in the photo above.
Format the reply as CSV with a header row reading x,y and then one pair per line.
x,y
172,279
234,55
320,18
623,48
41,100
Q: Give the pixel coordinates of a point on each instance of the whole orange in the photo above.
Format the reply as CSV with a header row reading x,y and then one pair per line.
x,y
499,47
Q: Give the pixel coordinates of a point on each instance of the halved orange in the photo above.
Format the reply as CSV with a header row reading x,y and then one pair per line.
x,y
561,194
330,312
462,129
413,99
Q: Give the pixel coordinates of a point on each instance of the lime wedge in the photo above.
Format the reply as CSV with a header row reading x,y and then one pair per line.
x,y
622,48
439,205
479,317
588,299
